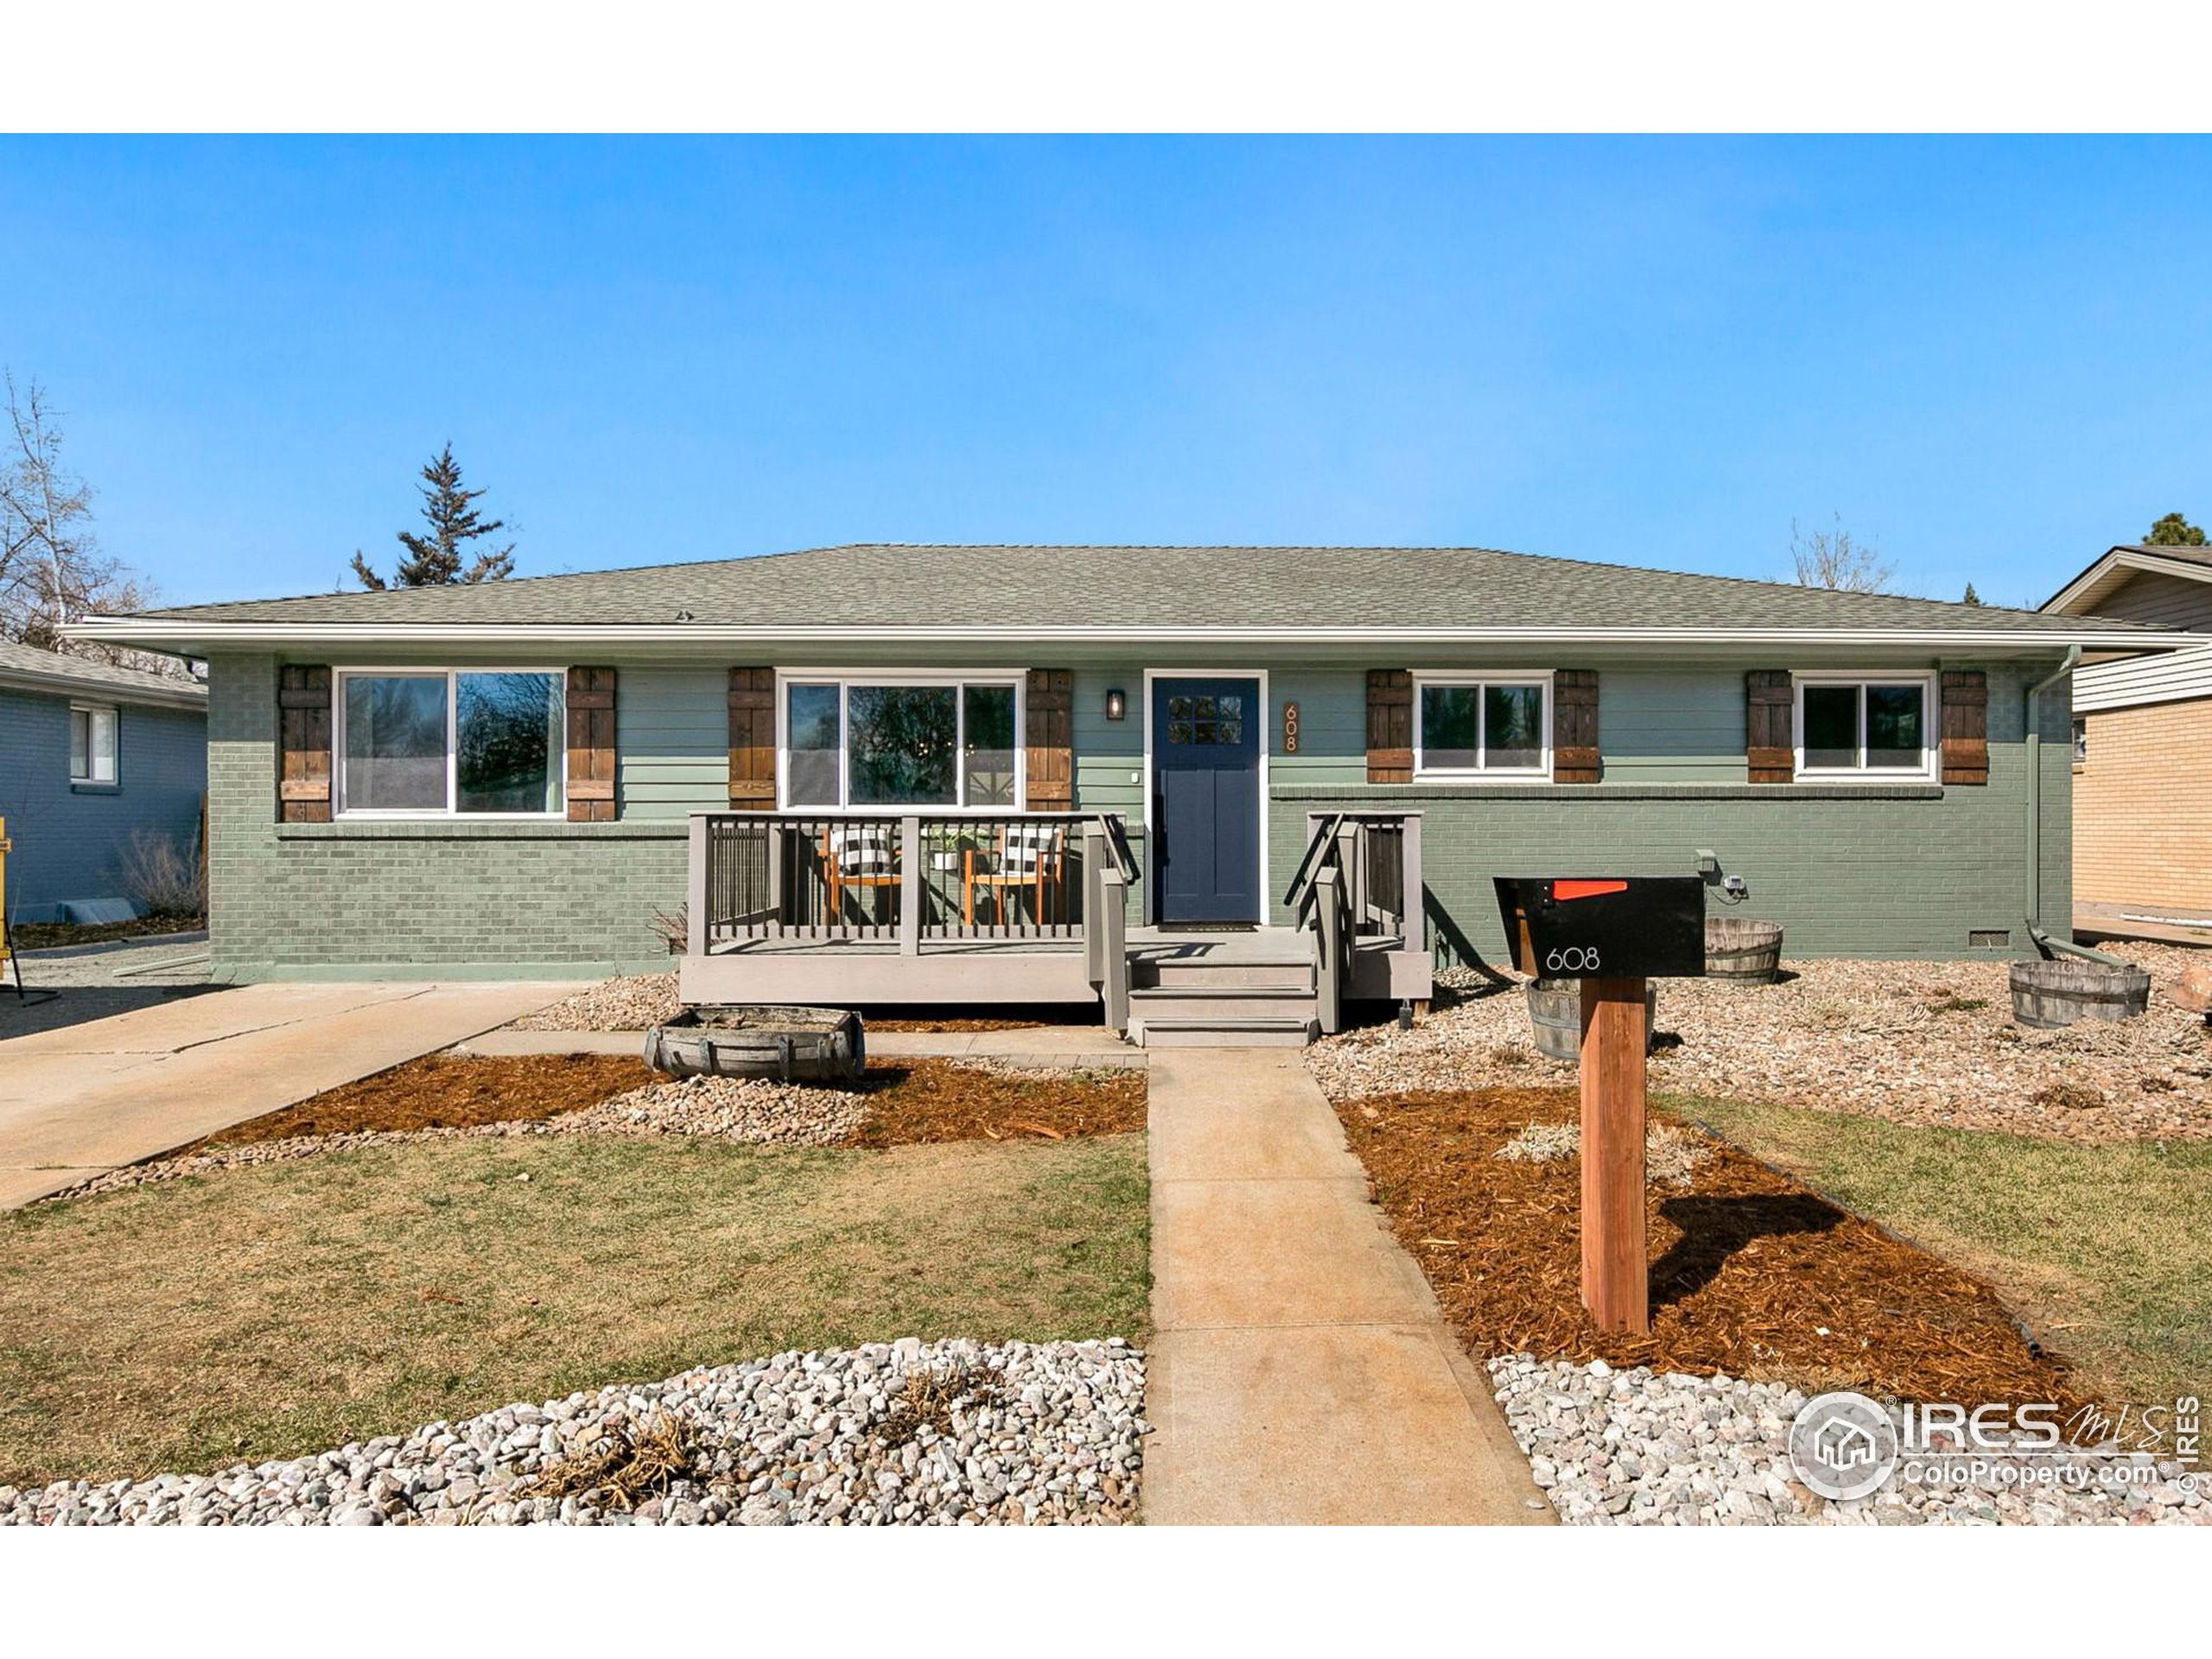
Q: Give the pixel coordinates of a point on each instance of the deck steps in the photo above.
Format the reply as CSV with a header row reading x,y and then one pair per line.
x,y
1242,999
1222,1033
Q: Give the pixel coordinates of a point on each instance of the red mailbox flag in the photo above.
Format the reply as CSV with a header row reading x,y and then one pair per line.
x,y
1563,891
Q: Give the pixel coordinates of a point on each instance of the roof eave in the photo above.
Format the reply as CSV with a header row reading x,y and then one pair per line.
x,y
73,685
2081,596
202,637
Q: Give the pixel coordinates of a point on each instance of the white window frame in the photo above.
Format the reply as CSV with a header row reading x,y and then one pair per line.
x,y
452,677
1931,748
844,680
1482,770
90,778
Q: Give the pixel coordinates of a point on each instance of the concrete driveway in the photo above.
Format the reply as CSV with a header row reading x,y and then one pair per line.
x,y
83,1099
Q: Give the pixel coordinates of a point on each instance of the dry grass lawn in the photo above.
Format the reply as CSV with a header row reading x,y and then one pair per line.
x,y
283,1308
2102,1249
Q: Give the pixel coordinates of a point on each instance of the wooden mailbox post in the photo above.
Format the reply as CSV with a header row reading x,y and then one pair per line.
x,y
1613,934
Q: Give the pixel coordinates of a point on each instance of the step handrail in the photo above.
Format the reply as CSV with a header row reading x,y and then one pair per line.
x,y
1320,849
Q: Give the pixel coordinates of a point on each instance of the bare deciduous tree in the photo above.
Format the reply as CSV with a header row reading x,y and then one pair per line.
x,y
1830,559
52,569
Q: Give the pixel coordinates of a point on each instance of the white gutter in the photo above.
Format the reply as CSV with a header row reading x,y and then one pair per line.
x,y
2035,782
163,632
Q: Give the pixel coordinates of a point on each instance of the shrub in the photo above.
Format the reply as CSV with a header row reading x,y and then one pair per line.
x,y
162,878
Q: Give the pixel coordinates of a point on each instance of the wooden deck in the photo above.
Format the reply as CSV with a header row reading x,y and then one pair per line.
x,y
1032,909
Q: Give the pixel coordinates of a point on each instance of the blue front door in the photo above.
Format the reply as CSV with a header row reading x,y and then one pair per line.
x,y
1205,807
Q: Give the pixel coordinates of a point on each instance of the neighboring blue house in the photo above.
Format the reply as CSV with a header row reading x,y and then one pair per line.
x,y
88,754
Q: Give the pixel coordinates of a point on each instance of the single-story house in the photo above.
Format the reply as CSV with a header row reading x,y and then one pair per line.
x,y
1135,775
90,756
2142,741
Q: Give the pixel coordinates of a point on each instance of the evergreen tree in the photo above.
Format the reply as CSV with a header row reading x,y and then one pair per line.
x,y
435,560
2174,530
1970,597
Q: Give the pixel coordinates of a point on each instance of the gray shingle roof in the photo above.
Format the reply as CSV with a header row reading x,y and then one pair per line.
x,y
1217,588
27,665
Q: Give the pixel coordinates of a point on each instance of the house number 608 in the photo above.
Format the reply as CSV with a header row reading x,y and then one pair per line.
x,y
1572,959
1290,728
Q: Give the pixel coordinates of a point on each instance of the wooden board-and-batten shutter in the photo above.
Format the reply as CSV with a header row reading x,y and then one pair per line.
x,y
1770,712
1390,726
1574,726
753,740
1965,726
1050,739
591,746
303,744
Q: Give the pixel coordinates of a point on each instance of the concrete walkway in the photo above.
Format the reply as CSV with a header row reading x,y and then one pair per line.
x,y
1044,1046
83,1099
1301,1371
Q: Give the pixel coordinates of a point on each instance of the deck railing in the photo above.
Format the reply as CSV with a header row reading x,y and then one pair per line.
x,y
1360,877
912,882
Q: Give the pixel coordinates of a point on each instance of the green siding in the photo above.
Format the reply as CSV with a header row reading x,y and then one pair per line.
x,y
671,738
1675,726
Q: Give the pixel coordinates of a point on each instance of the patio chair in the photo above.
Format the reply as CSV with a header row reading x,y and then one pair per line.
x,y
863,856
1028,855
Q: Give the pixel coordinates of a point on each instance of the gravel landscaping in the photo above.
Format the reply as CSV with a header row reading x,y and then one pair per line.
x,y
1923,1043
633,1002
1643,1448
953,1433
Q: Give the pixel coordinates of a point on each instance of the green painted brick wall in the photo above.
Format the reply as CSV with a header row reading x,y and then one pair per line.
x,y
323,901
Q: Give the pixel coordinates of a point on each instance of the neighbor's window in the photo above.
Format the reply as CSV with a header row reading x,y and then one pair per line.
x,y
1864,728
464,742
92,744
2080,742
869,743
1482,726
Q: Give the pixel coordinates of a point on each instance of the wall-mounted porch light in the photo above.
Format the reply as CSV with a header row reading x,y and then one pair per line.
x,y
1117,704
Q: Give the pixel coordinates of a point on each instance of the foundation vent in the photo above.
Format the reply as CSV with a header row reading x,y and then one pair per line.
x,y
1989,939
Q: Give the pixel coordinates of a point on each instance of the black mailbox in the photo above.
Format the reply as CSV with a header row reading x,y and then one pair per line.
x,y
1610,927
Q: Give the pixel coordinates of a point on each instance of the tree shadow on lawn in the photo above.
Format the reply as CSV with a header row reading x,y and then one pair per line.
x,y
1716,1228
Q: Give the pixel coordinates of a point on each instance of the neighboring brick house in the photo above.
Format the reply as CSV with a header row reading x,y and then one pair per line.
x,y
863,767
89,756
2143,742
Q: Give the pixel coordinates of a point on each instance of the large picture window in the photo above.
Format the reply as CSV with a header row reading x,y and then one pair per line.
x,y
1871,727
887,744
461,742
1481,727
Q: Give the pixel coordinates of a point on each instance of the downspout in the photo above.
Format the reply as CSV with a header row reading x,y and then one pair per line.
x,y
2035,783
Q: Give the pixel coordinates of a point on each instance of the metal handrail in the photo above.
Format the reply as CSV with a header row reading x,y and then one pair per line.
x,y
1117,842
1320,850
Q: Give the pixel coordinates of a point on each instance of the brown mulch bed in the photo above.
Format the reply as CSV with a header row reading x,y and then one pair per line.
x,y
912,1101
1753,1274
448,1091
918,1101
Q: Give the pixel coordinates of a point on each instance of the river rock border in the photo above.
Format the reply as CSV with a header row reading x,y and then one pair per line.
x,y
1641,1448
1031,1432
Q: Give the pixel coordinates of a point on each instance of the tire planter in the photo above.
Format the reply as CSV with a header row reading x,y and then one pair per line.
x,y
2049,995
1738,949
789,1044
1555,1014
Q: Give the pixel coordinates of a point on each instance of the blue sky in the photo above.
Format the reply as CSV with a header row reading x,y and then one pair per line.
x,y
1990,357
